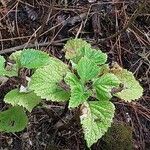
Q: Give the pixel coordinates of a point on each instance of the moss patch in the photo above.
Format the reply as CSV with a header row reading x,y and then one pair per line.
x,y
118,137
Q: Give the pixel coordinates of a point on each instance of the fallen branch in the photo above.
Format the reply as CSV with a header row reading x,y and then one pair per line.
x,y
21,47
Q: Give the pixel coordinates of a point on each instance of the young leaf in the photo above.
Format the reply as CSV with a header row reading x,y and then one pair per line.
x,y
2,65
78,95
27,100
3,71
13,120
12,72
87,69
16,57
132,89
96,117
96,56
75,49
104,85
44,81
31,58
104,69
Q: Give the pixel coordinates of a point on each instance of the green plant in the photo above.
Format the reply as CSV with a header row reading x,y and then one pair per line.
x,y
88,83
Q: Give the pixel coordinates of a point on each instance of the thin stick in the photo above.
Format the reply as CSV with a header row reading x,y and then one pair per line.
x,y
44,20
131,20
21,47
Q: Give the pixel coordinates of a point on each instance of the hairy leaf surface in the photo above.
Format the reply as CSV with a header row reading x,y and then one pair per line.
x,y
13,120
87,69
16,57
96,117
45,81
31,58
75,49
2,65
78,94
96,56
27,100
104,85
132,89
3,71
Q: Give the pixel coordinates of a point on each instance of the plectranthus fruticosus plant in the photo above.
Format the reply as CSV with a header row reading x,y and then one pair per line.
x,y
87,82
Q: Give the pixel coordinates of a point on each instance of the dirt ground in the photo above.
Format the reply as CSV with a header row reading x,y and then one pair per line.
x,y
121,28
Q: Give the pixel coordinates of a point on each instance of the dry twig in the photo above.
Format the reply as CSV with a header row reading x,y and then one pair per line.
x,y
131,20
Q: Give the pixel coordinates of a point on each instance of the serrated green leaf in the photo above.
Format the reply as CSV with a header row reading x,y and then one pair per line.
x,y
104,85
13,120
31,58
87,69
2,65
132,89
16,56
11,70
11,73
78,94
96,117
27,100
3,71
96,56
75,49
2,62
44,81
